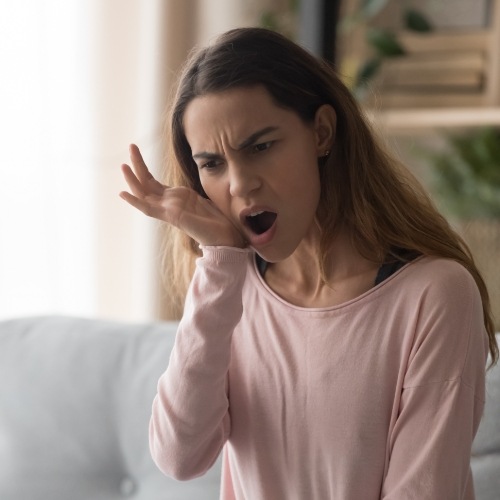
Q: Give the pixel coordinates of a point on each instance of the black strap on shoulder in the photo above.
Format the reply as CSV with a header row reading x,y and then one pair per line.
x,y
395,261
398,258
261,264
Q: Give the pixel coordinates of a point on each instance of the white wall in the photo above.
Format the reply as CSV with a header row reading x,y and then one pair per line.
x,y
81,80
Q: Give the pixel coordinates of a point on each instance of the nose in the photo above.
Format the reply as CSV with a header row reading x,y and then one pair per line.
x,y
243,180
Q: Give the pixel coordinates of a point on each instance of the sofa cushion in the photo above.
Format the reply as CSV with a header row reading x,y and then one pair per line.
x,y
486,471
488,437
486,447
75,402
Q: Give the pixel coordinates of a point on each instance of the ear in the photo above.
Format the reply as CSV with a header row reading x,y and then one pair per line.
x,y
325,123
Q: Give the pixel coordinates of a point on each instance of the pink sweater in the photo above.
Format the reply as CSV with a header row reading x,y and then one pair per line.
x,y
377,398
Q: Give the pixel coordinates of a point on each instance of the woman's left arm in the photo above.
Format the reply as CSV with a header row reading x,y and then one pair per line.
x,y
443,397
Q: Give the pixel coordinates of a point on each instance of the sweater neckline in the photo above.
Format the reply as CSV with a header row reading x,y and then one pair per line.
x,y
372,292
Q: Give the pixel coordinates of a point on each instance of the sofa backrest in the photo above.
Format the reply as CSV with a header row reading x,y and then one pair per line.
x,y
75,403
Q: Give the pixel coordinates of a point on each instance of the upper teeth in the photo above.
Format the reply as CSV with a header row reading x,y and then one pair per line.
x,y
256,213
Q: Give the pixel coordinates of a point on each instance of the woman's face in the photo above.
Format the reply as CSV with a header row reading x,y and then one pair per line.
x,y
258,163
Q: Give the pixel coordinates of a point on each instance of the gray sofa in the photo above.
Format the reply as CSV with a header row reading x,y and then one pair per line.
x,y
75,400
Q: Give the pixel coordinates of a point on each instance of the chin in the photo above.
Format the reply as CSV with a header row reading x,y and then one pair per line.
x,y
273,255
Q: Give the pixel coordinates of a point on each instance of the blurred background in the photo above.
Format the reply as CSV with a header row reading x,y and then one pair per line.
x,y
82,79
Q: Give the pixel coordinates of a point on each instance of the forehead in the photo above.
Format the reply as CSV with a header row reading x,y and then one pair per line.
x,y
231,115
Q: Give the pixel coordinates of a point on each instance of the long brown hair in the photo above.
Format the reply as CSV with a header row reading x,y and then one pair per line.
x,y
364,188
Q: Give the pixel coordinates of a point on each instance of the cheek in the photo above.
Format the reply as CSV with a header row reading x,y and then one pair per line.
x,y
214,190
308,174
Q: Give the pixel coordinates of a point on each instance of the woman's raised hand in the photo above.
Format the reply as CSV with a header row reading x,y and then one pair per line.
x,y
180,206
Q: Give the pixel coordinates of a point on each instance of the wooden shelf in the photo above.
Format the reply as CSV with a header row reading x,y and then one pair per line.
x,y
399,122
411,97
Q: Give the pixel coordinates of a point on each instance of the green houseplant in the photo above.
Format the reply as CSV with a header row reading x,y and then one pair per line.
x,y
383,42
466,184
467,175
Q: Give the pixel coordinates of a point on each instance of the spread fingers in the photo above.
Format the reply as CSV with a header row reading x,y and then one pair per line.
x,y
140,168
133,182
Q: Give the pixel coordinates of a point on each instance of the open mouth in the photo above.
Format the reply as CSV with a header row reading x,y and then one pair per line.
x,y
260,222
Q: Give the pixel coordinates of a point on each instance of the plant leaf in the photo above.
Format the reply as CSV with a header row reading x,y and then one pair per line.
x,y
416,21
368,70
385,42
467,176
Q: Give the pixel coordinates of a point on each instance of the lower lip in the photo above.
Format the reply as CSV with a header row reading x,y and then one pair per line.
x,y
258,240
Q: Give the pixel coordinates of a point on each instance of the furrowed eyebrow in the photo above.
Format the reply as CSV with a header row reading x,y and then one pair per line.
x,y
205,155
255,137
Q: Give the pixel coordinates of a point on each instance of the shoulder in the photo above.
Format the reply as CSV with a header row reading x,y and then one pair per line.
x,y
439,279
443,290
430,266
434,287
449,330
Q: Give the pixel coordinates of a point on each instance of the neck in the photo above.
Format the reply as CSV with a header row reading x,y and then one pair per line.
x,y
298,278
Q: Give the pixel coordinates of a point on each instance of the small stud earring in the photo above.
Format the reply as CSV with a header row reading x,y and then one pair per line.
x,y
327,153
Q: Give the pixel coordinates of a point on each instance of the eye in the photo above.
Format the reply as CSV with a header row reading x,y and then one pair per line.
x,y
263,146
210,165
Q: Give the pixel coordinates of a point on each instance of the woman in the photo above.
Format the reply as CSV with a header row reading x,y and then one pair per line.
x,y
336,329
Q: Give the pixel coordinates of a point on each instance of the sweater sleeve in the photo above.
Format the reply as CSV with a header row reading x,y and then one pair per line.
x,y
443,396
190,418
